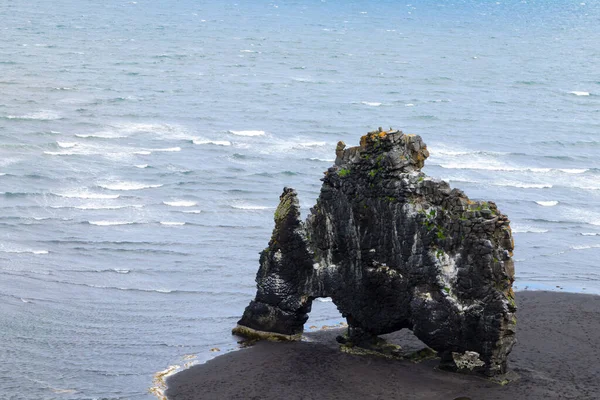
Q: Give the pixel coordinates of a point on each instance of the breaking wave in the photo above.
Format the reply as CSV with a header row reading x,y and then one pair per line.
x,y
180,203
247,133
127,186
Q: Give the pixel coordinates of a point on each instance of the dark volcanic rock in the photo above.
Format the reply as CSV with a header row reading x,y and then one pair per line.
x,y
394,249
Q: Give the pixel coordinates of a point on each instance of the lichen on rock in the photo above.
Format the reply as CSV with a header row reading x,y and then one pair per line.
x,y
394,249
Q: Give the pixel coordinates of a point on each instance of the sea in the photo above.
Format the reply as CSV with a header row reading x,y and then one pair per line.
x,y
144,145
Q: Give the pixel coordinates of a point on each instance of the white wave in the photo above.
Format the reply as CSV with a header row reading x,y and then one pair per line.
x,y
171,223
550,203
105,207
87,195
162,131
61,153
43,115
110,223
524,185
2,173
488,165
325,299
22,251
528,229
438,152
371,103
578,93
573,170
180,203
25,300
409,105
322,159
127,186
538,169
94,149
125,288
135,127
302,79
586,247
142,166
66,145
590,234
215,142
100,135
121,271
483,166
247,133
249,207
192,211
310,144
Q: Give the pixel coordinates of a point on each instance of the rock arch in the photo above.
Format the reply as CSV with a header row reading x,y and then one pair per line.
x,y
394,249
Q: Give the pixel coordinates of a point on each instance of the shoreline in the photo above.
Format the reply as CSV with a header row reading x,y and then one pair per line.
x,y
556,356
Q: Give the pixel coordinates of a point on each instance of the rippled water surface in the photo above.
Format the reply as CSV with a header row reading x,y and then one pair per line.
x,y
143,147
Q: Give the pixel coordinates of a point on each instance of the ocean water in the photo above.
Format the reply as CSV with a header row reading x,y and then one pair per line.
x,y
144,144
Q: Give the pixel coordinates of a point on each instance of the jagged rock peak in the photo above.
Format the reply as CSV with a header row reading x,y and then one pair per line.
x,y
394,249
386,150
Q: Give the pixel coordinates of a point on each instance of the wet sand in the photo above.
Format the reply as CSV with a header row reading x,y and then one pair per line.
x,y
557,357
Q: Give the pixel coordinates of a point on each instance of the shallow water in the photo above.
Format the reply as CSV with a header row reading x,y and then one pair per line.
x,y
143,148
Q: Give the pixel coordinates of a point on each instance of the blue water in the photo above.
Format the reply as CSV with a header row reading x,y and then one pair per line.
x,y
143,147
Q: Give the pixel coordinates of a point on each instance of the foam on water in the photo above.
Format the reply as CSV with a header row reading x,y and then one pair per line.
x,y
42,115
180,203
172,223
578,93
249,207
111,223
103,206
22,251
371,103
84,194
586,247
322,159
141,166
247,133
124,185
549,203
490,165
528,229
305,145
214,142
100,135
523,185
66,145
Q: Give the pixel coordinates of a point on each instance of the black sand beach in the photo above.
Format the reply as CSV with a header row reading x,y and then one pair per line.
x,y
557,357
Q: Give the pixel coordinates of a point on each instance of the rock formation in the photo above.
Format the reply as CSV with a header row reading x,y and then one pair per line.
x,y
394,249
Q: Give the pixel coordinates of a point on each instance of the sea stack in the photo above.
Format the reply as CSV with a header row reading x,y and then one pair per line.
x,y
394,249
